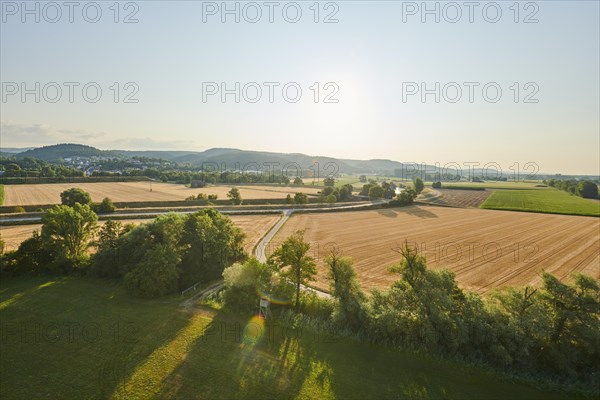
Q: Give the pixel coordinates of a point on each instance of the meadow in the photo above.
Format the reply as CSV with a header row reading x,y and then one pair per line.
x,y
548,200
86,338
486,249
41,194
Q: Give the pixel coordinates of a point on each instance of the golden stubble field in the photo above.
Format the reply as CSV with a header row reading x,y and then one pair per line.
x,y
255,227
38,194
486,249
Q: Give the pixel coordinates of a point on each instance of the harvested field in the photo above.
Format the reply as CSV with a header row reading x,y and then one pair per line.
x,y
33,194
486,249
255,226
456,197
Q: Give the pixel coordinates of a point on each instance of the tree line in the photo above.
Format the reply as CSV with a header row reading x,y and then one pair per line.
x,y
586,189
155,259
550,332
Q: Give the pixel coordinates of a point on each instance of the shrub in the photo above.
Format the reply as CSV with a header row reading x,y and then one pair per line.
x,y
19,209
75,195
436,185
405,198
106,206
375,192
419,185
235,196
300,198
243,283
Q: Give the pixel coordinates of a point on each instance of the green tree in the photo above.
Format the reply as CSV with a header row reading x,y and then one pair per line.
x,y
362,178
68,231
210,243
75,195
587,189
109,234
365,189
235,196
288,199
436,185
132,245
298,181
419,185
156,274
375,192
345,192
331,199
294,262
329,181
244,282
32,256
105,207
351,300
406,197
300,198
575,324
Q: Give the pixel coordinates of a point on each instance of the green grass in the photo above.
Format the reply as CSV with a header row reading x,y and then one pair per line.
x,y
492,185
548,200
83,338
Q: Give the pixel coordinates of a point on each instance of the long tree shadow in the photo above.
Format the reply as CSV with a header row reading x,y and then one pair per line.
x,y
67,330
245,358
417,211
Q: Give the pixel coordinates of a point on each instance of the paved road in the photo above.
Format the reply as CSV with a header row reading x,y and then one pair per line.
x,y
259,250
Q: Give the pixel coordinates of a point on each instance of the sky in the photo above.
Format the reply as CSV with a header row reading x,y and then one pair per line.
x,y
361,79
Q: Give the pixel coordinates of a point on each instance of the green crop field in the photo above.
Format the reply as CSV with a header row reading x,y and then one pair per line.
x,y
492,185
1,194
76,338
545,201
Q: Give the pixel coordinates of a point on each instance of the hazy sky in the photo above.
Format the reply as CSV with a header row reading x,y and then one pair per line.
x,y
377,53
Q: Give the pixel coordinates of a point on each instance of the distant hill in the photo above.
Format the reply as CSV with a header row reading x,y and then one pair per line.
x,y
61,151
14,149
225,158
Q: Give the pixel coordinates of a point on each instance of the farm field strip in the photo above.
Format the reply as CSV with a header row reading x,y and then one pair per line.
x,y
254,226
34,194
486,249
457,197
533,185
547,200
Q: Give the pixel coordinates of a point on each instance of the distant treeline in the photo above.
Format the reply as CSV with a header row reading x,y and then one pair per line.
x,y
586,189
12,167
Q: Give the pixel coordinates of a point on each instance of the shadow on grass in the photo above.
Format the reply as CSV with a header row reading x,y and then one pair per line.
x,y
80,338
304,363
242,358
122,347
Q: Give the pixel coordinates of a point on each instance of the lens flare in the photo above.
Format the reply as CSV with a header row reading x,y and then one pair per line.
x,y
254,331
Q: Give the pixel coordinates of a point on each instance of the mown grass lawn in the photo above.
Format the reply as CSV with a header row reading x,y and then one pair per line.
x,y
548,200
75,338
